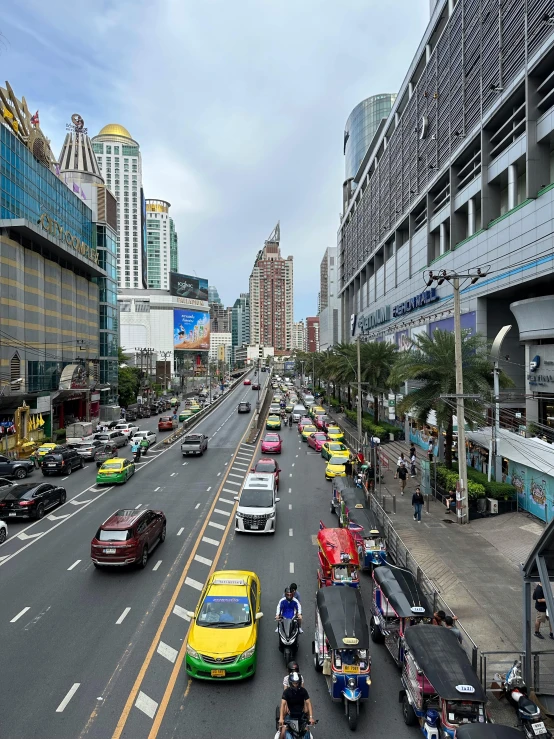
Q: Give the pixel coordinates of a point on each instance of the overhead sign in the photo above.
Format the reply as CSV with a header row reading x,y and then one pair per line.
x,y
73,377
418,301
56,230
185,286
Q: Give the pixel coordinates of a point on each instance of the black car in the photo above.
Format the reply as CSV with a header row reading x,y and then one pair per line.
x,y
61,461
255,386
29,500
104,452
154,409
244,407
130,415
18,468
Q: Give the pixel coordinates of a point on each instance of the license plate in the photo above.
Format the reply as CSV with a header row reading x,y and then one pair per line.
x,y
50,464
351,668
254,526
12,514
109,551
539,728
218,673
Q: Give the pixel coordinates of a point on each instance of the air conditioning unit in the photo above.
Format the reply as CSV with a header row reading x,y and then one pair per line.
x,y
492,505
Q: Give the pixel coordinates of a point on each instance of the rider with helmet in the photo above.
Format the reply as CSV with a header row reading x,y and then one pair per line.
x,y
289,607
292,667
295,703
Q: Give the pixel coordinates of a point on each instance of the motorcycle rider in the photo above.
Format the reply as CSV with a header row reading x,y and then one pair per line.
x,y
295,703
292,667
289,607
135,450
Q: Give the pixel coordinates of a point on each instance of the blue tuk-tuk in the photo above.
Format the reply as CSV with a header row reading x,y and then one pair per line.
x,y
398,604
341,648
441,691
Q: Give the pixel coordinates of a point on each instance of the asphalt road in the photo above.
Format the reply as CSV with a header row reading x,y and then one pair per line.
x,y
100,654
72,637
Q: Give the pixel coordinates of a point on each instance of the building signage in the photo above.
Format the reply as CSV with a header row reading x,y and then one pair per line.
x,y
366,322
73,377
418,301
194,303
186,286
541,367
56,230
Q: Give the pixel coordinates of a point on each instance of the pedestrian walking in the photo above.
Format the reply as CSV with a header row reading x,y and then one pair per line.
x,y
431,448
449,623
400,463
348,467
417,502
402,477
540,608
412,450
413,465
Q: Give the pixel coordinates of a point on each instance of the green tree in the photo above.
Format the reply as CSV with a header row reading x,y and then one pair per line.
x,y
431,361
377,360
128,380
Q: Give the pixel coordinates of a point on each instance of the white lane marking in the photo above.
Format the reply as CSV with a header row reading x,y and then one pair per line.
x,y
23,536
156,490
292,465
290,490
243,455
138,506
73,565
51,517
79,502
297,455
180,531
218,474
74,688
203,560
290,532
173,474
146,704
221,512
240,464
207,540
226,490
194,583
290,475
232,482
234,474
216,525
224,500
208,489
121,619
197,506
157,565
21,613
184,463
291,568
290,506
181,612
65,478
166,651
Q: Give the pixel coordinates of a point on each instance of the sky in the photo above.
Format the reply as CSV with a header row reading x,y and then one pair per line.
x,y
239,108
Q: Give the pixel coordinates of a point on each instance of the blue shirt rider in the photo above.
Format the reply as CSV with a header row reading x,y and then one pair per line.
x,y
289,607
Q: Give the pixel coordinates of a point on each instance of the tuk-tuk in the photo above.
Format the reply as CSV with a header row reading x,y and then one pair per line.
x,y
340,485
441,690
398,604
487,731
338,558
341,648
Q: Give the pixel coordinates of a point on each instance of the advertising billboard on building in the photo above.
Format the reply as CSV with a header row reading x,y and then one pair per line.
x,y
185,286
191,330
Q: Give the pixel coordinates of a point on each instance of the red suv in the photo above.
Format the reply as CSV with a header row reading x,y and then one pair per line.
x,y
127,537
167,423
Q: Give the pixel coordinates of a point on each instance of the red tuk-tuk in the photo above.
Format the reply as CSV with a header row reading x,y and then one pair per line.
x,y
339,561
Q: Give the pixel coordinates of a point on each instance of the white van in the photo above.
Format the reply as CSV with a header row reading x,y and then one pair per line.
x,y
297,412
309,400
257,508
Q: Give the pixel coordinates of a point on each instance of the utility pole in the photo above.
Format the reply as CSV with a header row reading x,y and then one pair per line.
x,y
495,430
454,278
165,355
359,380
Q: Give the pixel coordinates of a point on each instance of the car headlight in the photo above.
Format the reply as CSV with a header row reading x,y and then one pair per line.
x,y
352,683
271,515
240,515
249,653
192,652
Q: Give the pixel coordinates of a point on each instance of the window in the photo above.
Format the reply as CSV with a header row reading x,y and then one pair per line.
x,y
116,150
15,372
108,149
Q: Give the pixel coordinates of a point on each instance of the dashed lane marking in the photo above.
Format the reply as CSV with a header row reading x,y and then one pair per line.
x,y
138,506
202,560
73,565
216,525
121,619
233,474
290,506
207,540
157,565
197,506
180,531
226,490
146,704
181,612
156,490
166,651
173,474
208,489
291,568
290,532
224,500
21,613
74,688
194,583
221,512
232,482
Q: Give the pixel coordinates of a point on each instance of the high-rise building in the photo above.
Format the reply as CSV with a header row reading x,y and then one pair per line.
x,y
271,296
312,334
173,247
80,171
119,159
329,301
240,321
160,235
220,347
213,295
298,336
220,318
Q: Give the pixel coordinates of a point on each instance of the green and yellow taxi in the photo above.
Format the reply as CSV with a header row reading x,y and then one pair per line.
x,y
195,408
335,468
221,643
335,433
273,422
308,429
289,406
334,449
116,469
186,413
43,450
316,410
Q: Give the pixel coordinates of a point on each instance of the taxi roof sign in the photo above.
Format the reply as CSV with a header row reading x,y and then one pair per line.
x,y
417,609
350,640
228,581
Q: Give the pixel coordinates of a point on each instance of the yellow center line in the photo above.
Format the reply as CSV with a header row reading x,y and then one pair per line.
x,y
152,650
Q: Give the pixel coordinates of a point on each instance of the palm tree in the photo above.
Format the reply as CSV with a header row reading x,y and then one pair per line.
x,y
377,361
431,361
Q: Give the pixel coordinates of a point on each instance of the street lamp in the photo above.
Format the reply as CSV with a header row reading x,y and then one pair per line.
x,y
11,382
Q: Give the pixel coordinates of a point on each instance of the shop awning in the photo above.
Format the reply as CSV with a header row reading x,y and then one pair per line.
x,y
432,420
534,453
72,394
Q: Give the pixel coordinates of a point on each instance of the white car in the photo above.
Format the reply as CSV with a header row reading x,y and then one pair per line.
x,y
3,532
138,436
129,429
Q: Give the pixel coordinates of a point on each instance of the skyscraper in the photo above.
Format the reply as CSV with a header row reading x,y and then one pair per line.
x,y
240,322
213,295
329,301
271,296
312,334
173,248
160,235
298,336
120,163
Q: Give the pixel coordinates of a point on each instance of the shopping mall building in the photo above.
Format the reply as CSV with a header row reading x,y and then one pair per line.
x,y
53,282
460,177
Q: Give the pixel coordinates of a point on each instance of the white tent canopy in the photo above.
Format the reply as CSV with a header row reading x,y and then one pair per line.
x,y
534,453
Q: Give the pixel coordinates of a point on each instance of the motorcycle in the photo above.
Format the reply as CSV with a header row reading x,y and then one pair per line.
x,y
529,714
297,728
136,455
288,630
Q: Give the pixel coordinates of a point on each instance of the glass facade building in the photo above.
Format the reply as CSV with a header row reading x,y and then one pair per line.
x,y
173,248
106,243
360,128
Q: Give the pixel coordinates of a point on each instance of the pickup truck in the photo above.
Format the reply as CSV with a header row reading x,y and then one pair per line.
x,y
194,444
18,468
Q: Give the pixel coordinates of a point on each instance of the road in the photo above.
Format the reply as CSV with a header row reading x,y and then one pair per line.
x,y
82,665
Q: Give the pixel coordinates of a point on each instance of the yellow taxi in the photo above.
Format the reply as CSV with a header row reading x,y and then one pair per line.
x,y
117,469
316,410
308,429
44,449
335,433
221,643
335,468
273,422
334,449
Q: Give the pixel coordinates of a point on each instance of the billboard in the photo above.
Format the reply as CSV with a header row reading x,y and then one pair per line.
x,y
191,330
144,245
185,286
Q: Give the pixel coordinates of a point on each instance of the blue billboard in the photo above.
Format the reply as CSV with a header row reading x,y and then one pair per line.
x,y
191,330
